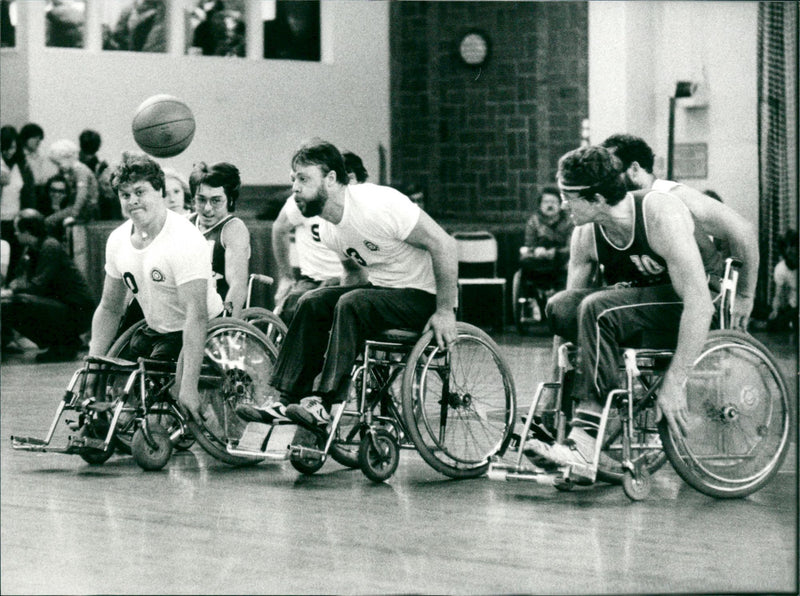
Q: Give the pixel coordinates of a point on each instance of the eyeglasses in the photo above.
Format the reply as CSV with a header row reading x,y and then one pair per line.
x,y
215,202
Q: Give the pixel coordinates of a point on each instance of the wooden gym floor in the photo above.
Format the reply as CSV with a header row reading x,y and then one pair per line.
x,y
201,527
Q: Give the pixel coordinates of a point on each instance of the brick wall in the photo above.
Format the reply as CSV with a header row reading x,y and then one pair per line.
x,y
483,143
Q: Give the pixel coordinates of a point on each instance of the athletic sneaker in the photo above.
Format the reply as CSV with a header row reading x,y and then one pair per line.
x,y
309,412
272,411
577,453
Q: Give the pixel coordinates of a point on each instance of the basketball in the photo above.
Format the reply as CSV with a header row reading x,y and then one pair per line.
x,y
163,126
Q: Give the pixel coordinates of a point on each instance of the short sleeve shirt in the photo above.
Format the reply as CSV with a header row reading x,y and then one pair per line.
x,y
373,231
316,260
177,255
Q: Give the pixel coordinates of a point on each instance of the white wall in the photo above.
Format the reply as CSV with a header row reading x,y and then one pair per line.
x,y
632,76
252,112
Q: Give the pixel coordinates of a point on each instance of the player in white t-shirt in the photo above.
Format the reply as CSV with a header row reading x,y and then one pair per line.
x,y
319,265
163,260
711,217
400,271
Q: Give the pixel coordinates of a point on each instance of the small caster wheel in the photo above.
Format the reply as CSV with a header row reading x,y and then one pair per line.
x,y
564,484
637,486
308,463
155,456
94,457
378,455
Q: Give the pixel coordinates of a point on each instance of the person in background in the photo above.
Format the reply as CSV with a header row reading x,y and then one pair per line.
x,y
50,302
82,186
107,201
783,316
214,190
545,254
17,190
29,148
356,172
178,196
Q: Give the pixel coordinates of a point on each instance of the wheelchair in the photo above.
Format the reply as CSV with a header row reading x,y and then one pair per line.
x,y
113,403
740,418
263,319
530,291
456,407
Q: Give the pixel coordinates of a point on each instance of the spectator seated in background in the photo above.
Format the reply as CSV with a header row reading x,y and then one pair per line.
x,y
16,189
83,188
107,201
29,151
544,257
49,301
783,316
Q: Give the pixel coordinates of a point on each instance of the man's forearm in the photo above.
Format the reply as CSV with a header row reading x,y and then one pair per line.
x,y
104,328
194,339
692,332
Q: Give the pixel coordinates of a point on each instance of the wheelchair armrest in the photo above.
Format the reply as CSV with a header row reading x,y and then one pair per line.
x,y
401,336
111,361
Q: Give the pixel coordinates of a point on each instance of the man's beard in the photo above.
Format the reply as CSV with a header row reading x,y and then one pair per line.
x,y
313,207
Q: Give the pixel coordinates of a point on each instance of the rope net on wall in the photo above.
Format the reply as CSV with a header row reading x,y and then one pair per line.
x,y
777,126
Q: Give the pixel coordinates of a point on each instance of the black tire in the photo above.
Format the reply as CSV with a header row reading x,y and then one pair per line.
x,y
307,438
637,487
379,455
459,404
95,457
267,322
237,368
740,419
151,457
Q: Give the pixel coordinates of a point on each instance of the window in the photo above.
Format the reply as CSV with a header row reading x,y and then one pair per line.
x,y
8,24
216,28
291,29
135,25
65,23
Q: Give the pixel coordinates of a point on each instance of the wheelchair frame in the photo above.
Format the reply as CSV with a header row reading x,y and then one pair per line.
x,y
636,404
381,423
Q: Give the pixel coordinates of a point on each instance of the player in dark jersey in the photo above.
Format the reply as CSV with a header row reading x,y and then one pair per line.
x,y
657,284
214,191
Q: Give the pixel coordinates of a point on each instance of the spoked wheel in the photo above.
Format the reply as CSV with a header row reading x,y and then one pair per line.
x,y
267,322
739,418
153,454
307,463
379,455
236,370
459,404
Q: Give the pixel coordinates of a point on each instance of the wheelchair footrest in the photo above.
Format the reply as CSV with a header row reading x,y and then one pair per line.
x,y
267,441
77,444
500,471
23,442
306,452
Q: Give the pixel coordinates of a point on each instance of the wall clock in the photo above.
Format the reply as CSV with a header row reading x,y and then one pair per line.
x,y
474,48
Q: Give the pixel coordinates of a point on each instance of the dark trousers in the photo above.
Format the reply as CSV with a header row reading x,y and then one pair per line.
x,y
45,321
329,329
600,320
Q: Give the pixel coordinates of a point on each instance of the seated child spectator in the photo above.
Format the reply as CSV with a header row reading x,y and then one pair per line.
x,y
50,301
784,303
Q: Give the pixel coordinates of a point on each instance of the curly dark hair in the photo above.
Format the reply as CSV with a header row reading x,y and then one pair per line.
x,y
135,167
597,169
221,174
629,149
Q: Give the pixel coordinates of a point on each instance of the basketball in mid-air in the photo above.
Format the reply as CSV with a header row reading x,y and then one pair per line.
x,y
163,126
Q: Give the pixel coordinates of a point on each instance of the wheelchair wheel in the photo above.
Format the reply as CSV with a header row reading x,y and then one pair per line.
x,y
740,419
155,456
236,369
95,457
379,455
307,464
646,447
267,322
459,404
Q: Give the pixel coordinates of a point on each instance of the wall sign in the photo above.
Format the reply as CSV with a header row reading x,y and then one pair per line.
x,y
690,160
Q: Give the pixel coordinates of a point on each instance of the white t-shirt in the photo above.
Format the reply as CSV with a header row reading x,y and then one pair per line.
x,y
316,260
10,197
664,185
177,255
375,224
